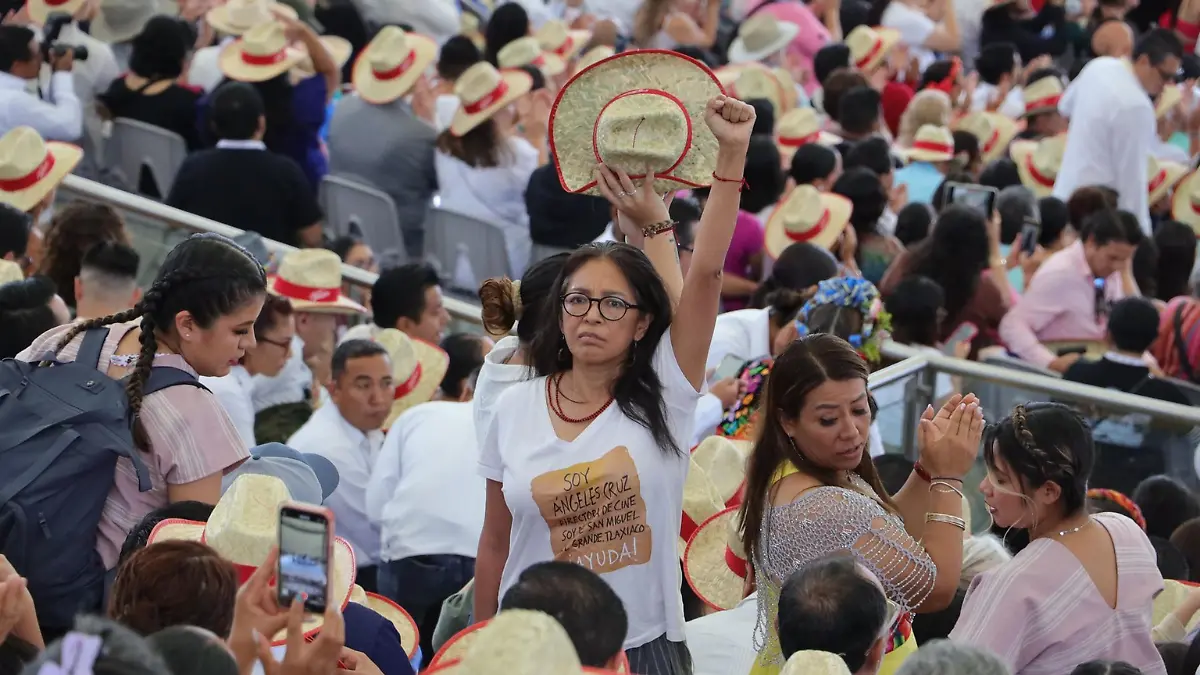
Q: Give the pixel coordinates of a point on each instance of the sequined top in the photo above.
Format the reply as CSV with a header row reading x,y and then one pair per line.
x,y
827,520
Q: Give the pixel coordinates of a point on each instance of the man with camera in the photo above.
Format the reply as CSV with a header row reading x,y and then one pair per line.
x,y
58,115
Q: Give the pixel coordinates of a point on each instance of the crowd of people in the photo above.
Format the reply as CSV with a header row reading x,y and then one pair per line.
x,y
704,206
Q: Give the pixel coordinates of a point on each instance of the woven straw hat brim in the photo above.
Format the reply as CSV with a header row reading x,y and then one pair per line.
x,y
1006,130
66,157
573,117
218,18
823,138
407,628
839,214
104,31
889,38
339,49
1022,153
579,40
781,99
448,659
922,155
342,305
704,564
343,569
552,64
1181,204
738,53
1175,173
434,363
40,10
233,67
374,90
519,83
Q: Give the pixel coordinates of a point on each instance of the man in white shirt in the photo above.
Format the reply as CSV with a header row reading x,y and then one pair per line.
x,y
1113,127
723,642
346,431
60,116
999,67
439,19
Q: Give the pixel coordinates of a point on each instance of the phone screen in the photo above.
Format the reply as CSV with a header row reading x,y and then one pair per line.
x,y
964,332
1029,237
729,367
976,196
303,558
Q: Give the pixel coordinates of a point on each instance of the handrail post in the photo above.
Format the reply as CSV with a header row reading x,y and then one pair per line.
x,y
918,393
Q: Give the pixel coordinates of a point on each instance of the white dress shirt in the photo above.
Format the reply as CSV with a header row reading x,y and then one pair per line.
x,y
1112,133
329,435
204,70
1012,106
419,496
289,386
437,19
235,392
723,643
58,118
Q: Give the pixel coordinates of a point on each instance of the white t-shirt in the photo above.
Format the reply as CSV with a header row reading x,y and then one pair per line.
x,y
495,377
744,333
915,28
1012,106
611,500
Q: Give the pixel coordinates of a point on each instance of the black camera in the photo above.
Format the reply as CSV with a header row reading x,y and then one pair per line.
x,y
51,45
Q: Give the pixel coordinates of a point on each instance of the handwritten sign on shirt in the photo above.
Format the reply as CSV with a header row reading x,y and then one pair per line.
x,y
595,512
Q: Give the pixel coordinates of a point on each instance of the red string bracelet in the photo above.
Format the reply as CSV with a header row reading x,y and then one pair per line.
x,y
743,185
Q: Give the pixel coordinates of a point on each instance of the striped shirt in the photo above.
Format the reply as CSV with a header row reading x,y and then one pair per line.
x,y
191,437
1042,614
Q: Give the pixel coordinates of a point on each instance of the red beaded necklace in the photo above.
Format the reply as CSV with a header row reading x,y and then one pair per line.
x,y
554,400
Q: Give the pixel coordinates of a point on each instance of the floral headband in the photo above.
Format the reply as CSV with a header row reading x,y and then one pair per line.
x,y
858,294
1121,500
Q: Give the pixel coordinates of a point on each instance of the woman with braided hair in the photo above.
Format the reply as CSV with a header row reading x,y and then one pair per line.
x,y
198,316
1084,586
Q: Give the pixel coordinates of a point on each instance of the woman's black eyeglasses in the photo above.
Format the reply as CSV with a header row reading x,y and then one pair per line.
x,y
612,308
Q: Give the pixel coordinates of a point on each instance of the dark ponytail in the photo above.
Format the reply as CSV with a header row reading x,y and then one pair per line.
x,y
799,267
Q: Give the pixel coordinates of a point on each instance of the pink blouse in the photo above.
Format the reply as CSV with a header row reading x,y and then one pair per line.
x,y
812,36
1042,614
191,437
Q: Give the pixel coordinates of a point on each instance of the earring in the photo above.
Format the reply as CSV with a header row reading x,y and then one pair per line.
x,y
562,348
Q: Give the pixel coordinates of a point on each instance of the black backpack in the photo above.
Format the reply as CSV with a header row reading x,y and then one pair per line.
x,y
62,428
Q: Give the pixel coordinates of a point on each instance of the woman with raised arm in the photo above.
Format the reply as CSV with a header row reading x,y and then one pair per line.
x,y
586,462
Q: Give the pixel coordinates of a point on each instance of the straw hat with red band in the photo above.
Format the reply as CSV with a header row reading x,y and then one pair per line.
x,y
339,50
243,528
558,39
714,562
806,215
595,55
633,110
801,126
236,17
701,499
31,168
932,143
748,81
482,91
389,66
761,36
312,279
1185,206
514,642
259,55
1162,177
40,10
417,370
527,51
724,461
871,46
454,653
1042,96
410,634
994,131
1038,162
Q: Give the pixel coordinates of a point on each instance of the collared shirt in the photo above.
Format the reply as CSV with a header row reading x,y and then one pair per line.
x,y
234,391
1059,303
922,179
353,452
292,385
58,118
1112,133
723,642
423,502
248,144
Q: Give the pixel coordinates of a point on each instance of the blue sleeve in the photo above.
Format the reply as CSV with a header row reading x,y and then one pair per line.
x,y
308,104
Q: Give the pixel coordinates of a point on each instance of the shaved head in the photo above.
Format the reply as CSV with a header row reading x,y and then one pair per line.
x,y
1113,38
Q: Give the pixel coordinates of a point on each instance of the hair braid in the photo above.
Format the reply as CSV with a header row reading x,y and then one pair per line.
x,y
84,326
134,387
1023,434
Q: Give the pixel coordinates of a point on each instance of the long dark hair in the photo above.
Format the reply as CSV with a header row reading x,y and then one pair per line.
x,y
805,365
1044,443
799,267
482,147
207,275
954,255
638,391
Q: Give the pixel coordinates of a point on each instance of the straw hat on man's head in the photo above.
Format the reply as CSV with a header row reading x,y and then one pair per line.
x,y
483,91
31,168
748,81
236,17
932,143
994,131
632,111
338,48
122,20
1042,96
1161,178
870,47
806,215
391,64
40,10
243,528
761,36
1038,162
527,51
1185,206
259,55
801,126
312,279
518,642
558,39
417,370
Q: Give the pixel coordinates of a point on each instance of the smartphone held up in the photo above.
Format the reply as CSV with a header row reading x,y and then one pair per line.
x,y
305,555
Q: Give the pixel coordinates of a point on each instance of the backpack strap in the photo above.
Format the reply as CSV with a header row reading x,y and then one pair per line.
x,y
165,377
92,345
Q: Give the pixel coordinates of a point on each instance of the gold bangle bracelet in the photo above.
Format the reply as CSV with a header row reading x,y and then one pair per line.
x,y
947,519
949,488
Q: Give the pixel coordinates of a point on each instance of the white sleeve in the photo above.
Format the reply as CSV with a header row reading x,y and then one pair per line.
x,y
385,474
915,28
60,118
491,465
1129,151
709,412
